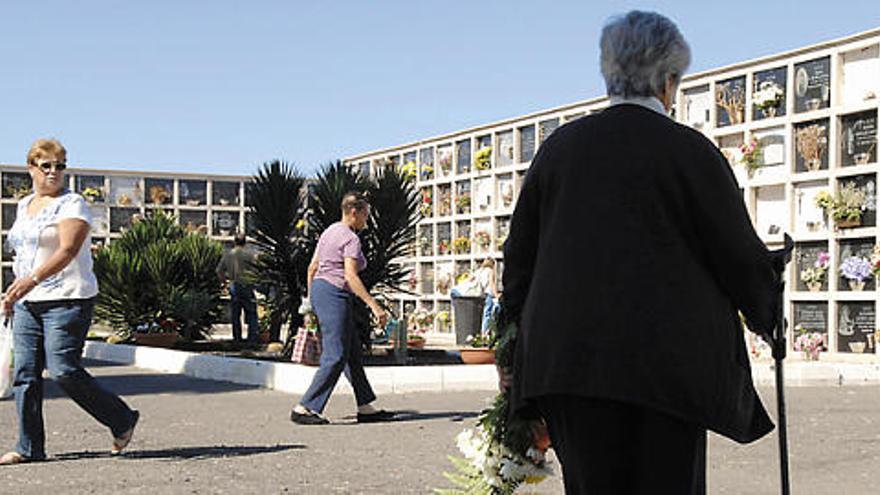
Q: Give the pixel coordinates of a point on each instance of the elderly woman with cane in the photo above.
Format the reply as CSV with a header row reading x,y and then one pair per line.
x,y
51,303
651,354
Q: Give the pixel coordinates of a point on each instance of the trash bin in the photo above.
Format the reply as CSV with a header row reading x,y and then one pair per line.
x,y
467,314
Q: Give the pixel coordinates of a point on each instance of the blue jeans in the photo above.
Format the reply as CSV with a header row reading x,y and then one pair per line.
x,y
488,311
51,335
241,297
341,348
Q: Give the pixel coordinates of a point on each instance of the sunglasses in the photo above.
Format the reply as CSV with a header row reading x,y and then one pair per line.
x,y
47,167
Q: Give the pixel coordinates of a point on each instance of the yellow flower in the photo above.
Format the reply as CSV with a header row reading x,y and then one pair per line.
x,y
301,224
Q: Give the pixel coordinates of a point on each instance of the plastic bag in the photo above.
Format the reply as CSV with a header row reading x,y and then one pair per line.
x,y
6,378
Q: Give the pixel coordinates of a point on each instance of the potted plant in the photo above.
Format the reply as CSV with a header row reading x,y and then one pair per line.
x,y
845,208
480,348
91,194
160,333
811,144
814,276
810,343
752,155
461,245
856,270
483,158
767,97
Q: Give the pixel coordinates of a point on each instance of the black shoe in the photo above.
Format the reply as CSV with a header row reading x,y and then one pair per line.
x,y
380,416
308,418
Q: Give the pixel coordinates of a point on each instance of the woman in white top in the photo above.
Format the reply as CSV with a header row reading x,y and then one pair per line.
x,y
486,277
51,303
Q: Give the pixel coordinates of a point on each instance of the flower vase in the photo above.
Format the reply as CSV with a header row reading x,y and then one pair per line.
x,y
814,286
857,285
812,355
769,112
813,164
848,223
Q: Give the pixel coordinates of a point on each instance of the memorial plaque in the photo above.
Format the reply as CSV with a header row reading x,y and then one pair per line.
x,y
463,156
426,156
121,218
225,193
811,316
858,139
805,258
193,192
526,143
224,223
856,324
409,157
10,211
697,106
861,248
730,101
504,151
364,168
812,85
767,83
811,146
546,127
95,184
16,184
867,184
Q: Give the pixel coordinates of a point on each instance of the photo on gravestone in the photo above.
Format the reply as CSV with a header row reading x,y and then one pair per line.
x,y
867,185
730,101
858,138
854,265
768,93
811,146
856,324
812,85
812,264
697,106
808,216
809,317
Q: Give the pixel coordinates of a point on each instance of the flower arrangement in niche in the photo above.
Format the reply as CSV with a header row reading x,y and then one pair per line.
x,y
427,171
810,343
409,170
811,145
461,245
421,319
158,194
443,320
92,194
464,203
442,247
444,205
767,97
443,283
752,155
846,207
730,97
483,158
856,270
483,240
426,206
445,161
814,276
425,245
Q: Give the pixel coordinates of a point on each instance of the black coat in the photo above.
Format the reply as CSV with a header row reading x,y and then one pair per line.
x,y
629,253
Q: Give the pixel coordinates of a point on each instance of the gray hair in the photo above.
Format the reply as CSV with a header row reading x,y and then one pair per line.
x,y
639,51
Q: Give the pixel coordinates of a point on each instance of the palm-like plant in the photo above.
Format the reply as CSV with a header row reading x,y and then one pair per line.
x,y
275,197
157,278
391,228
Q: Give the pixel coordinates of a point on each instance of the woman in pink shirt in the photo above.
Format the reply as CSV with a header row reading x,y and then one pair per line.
x,y
332,281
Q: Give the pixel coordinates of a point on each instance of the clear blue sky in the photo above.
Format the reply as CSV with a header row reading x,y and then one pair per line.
x,y
222,86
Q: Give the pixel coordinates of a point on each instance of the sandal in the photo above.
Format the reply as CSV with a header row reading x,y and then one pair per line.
x,y
13,457
122,441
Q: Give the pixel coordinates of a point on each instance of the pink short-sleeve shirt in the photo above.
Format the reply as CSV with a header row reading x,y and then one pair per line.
x,y
337,243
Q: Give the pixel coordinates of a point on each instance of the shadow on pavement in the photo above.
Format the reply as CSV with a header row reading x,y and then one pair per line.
x,y
184,453
128,385
401,416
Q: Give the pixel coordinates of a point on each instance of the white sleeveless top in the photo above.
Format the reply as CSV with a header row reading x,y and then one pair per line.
x,y
35,239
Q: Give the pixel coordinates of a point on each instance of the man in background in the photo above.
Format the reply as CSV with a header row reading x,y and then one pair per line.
x,y
235,267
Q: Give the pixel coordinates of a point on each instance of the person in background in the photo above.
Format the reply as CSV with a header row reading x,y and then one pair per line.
x,y
629,254
235,267
486,278
51,303
333,282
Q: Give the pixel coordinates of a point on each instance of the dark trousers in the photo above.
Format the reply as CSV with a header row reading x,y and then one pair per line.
x,y
341,348
241,297
608,447
50,335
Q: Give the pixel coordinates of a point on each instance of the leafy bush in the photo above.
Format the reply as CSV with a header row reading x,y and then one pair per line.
x,y
157,278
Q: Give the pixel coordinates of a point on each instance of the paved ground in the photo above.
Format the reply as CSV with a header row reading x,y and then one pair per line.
x,y
199,436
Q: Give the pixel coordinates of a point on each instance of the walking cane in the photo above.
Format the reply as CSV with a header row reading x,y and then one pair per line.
x,y
778,343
